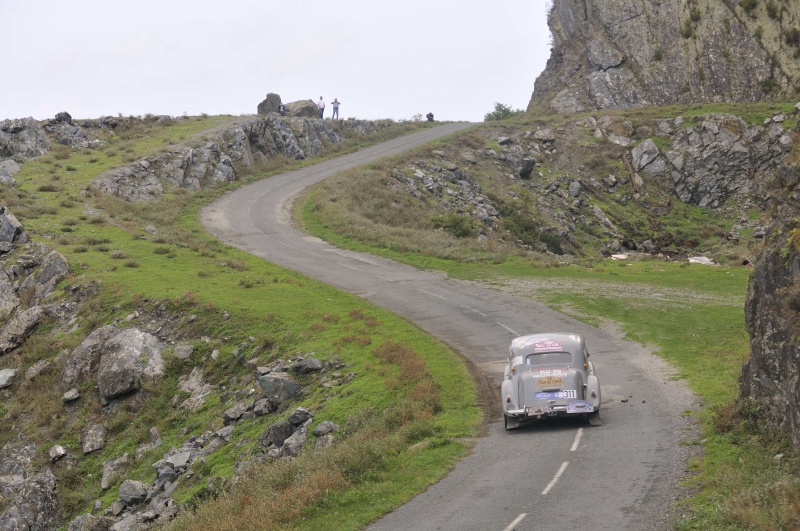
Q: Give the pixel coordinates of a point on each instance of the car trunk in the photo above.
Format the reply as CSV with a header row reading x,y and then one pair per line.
x,y
549,387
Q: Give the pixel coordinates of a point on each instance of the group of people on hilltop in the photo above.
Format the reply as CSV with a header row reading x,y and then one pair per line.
x,y
334,104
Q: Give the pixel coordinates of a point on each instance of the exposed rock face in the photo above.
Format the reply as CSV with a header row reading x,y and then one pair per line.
x,y
303,108
21,139
614,54
254,140
770,377
719,158
32,496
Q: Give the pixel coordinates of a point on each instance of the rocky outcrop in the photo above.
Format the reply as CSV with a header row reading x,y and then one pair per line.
x,y
254,140
30,495
770,377
721,157
22,139
614,54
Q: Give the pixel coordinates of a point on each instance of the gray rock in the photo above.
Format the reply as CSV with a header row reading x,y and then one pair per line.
x,y
22,139
299,416
183,352
71,395
303,109
275,434
19,328
112,470
295,443
199,390
233,414
8,168
56,452
278,387
133,492
574,188
308,365
128,357
270,104
11,229
37,368
7,377
325,427
85,358
87,522
34,504
180,460
93,438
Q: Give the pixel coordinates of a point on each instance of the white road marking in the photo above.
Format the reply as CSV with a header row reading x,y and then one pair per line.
x,y
577,440
507,328
384,278
286,244
313,254
473,310
349,266
556,478
434,294
517,520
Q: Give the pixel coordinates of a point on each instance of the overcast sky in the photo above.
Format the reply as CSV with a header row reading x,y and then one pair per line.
x,y
380,58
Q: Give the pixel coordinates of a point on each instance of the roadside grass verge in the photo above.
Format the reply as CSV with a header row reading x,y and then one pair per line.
x,y
406,409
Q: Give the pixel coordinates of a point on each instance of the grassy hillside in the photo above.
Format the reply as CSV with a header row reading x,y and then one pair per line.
x,y
743,478
153,266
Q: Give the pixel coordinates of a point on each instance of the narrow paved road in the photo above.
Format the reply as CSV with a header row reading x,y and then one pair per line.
x,y
551,475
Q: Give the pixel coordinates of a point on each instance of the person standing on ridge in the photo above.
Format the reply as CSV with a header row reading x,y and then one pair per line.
x,y
335,105
321,106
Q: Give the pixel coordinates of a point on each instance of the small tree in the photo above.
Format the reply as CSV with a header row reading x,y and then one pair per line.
x,y
501,112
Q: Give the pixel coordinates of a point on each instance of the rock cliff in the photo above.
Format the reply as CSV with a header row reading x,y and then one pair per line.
x,y
614,54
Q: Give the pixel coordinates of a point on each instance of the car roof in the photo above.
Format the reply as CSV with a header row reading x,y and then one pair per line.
x,y
547,342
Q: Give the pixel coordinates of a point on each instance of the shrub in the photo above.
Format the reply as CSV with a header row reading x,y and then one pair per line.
x,y
694,15
458,225
501,112
772,10
686,29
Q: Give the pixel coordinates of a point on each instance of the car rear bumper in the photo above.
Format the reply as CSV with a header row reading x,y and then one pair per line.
x,y
573,408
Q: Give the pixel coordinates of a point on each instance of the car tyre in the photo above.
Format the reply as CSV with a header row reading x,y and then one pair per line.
x,y
594,418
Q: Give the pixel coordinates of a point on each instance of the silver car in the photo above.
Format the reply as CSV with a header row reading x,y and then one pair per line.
x,y
549,375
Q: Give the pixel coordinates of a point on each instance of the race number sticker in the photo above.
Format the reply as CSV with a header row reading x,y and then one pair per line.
x,y
547,346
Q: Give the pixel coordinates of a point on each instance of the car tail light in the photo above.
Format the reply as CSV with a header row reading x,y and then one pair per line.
x,y
508,399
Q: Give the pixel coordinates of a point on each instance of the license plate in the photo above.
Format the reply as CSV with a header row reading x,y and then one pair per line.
x,y
571,393
550,381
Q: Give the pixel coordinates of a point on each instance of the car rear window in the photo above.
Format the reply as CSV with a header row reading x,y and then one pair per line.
x,y
549,358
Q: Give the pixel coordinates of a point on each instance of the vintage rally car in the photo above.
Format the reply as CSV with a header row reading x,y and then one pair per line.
x,y
549,375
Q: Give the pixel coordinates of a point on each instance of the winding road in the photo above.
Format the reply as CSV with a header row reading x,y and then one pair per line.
x,y
549,475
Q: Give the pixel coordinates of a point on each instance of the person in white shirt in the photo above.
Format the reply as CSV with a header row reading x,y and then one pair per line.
x,y
321,106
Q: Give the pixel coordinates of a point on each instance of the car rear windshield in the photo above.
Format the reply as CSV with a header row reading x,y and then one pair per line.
x,y
549,358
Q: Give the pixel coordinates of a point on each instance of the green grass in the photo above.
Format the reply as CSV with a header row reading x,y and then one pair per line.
x,y
690,315
156,259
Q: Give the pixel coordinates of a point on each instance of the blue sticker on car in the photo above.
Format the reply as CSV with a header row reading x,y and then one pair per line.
x,y
580,406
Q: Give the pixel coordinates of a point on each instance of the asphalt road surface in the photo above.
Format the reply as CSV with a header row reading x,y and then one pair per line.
x,y
557,474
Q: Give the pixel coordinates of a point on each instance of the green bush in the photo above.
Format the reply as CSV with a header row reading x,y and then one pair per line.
x,y
501,112
458,225
793,37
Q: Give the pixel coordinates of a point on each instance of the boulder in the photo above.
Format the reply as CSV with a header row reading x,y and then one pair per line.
x,y
8,168
307,365
133,492
194,385
19,328
85,358
11,230
128,358
112,469
278,387
7,377
303,109
270,104
299,416
325,427
295,443
93,438
275,434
